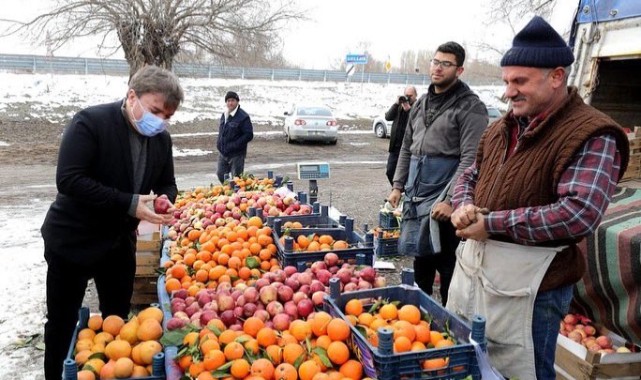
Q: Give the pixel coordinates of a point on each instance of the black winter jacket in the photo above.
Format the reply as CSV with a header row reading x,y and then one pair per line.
x,y
235,134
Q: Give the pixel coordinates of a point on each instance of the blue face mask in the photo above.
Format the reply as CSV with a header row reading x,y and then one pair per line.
x,y
149,124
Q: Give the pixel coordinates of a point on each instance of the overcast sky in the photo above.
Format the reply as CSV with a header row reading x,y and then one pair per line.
x,y
339,27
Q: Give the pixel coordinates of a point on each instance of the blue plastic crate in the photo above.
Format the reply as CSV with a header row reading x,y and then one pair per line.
x,y
381,363
70,369
358,248
387,220
308,221
386,246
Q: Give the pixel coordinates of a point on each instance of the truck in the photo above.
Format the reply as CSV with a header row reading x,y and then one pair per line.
x,y
606,40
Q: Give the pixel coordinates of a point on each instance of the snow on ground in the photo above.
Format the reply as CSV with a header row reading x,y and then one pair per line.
x,y
56,98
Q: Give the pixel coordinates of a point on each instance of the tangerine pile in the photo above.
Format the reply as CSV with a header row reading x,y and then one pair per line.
x,y
112,348
312,349
410,331
315,243
234,253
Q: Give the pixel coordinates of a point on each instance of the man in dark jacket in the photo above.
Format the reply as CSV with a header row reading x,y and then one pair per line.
x,y
112,156
442,135
398,112
235,131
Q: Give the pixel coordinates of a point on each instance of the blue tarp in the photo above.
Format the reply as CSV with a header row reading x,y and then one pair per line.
x,y
607,10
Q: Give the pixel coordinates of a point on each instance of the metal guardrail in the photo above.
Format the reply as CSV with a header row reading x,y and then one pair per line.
x,y
33,64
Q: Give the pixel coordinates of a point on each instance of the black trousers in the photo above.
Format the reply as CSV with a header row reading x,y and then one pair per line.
x,y
66,285
425,267
392,159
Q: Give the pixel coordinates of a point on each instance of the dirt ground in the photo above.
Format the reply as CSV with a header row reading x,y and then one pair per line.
x,y
357,187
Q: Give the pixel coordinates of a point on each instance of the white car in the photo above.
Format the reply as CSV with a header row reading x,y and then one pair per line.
x,y
383,128
310,123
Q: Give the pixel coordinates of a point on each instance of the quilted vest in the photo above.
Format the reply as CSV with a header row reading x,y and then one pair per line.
x,y
531,175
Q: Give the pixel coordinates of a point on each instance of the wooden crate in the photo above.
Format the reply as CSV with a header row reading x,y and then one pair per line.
x,y
574,362
145,290
148,254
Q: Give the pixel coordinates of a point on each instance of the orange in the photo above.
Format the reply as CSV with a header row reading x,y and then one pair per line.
x,y
340,244
354,307
325,239
252,325
352,369
409,313
338,329
274,354
82,357
239,368
123,368
266,336
214,359
338,352
149,329
227,336
86,333
418,346
313,246
234,350
303,241
172,284
433,364
300,329
117,349
255,221
402,344
285,371
262,367
404,328
365,319
150,313
147,351
422,333
308,369
86,375
291,352
435,337
112,324
388,311
444,343
323,341
95,322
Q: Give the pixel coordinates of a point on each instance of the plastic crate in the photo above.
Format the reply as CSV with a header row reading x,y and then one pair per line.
x,y
381,363
387,220
359,248
386,246
308,221
70,369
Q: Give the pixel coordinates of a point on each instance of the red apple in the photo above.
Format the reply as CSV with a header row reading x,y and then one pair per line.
x,y
162,204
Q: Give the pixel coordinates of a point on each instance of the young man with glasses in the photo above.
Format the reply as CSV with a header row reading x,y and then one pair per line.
x,y
440,142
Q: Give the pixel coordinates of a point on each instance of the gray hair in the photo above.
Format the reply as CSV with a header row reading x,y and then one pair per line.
x,y
153,79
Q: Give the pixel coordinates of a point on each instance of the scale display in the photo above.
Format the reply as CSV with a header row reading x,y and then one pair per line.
x,y
312,170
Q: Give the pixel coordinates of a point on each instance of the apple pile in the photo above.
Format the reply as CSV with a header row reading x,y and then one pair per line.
x,y
277,298
201,212
580,329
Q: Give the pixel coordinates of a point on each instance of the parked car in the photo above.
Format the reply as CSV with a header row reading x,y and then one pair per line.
x,y
310,123
383,128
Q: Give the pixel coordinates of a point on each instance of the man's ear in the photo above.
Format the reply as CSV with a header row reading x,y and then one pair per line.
x,y
558,77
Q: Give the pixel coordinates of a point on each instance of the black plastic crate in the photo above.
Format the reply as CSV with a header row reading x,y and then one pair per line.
x,y
387,220
70,369
383,364
358,248
307,221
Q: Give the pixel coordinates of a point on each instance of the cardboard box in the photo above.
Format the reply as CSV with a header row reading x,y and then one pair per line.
x,y
574,361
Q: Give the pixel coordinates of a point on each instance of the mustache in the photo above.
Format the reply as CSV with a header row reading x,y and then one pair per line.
x,y
517,98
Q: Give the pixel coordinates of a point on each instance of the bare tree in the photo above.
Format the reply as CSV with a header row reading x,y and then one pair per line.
x,y
511,13
155,31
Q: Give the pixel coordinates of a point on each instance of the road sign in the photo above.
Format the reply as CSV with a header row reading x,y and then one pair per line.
x,y
356,58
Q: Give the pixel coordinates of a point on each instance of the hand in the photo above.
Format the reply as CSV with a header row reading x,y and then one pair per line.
x,y
465,216
394,197
475,231
469,222
442,211
144,211
406,106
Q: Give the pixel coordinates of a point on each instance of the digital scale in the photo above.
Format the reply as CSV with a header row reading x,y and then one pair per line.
x,y
312,170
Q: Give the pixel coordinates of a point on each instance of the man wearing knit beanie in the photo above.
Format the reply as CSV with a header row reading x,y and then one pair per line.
x,y
543,176
235,131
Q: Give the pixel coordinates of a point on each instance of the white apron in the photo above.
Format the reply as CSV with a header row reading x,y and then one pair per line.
x,y
499,281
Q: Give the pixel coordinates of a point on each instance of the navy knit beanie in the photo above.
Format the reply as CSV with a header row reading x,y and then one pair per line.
x,y
232,95
538,45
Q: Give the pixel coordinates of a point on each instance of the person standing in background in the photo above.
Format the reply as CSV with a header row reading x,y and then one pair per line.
x,y
442,134
398,113
543,177
235,131
111,157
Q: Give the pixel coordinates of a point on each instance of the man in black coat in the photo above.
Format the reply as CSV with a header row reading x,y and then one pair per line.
x,y
112,156
235,131
399,113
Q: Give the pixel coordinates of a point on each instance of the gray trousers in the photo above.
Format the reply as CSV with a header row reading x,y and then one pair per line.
x,y
234,165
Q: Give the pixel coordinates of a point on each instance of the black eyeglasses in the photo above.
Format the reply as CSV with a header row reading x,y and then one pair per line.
x,y
444,64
